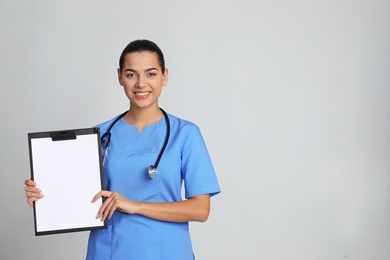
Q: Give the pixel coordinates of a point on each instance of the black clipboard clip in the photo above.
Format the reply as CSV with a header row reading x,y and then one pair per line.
x,y
63,135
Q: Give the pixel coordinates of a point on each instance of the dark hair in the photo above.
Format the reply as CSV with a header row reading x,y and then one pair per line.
x,y
142,45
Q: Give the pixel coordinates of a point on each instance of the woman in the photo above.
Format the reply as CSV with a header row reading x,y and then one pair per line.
x,y
147,218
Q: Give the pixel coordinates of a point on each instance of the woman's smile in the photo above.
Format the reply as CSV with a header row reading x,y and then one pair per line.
x,y
142,94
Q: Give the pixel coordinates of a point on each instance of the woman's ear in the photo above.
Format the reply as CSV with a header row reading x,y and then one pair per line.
x,y
120,77
165,77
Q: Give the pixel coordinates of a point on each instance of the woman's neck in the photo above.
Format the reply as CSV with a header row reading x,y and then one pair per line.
x,y
141,117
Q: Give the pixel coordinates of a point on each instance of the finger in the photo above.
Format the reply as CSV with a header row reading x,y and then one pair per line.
x,y
102,193
111,204
34,195
101,210
30,183
103,207
32,189
30,200
110,208
113,207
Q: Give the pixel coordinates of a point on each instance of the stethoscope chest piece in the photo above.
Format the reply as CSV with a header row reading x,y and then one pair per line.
x,y
152,171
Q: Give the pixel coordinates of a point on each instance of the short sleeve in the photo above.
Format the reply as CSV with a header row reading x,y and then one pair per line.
x,y
197,169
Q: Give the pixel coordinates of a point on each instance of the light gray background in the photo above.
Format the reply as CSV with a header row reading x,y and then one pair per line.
x,y
292,98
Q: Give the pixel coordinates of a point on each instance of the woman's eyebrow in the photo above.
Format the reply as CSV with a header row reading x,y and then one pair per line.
x,y
147,70
150,69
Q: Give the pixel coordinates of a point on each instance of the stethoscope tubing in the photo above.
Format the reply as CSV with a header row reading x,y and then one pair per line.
x,y
152,169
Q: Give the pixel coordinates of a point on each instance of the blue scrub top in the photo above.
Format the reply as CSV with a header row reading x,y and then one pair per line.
x,y
185,160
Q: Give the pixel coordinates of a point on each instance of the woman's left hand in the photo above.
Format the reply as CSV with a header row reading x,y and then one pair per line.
x,y
114,201
195,208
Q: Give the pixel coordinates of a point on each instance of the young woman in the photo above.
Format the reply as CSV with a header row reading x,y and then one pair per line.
x,y
147,218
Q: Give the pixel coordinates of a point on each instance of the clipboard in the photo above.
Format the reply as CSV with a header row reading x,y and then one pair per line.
x,y
67,167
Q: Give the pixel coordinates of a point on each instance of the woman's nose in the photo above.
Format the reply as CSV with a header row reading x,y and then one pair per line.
x,y
141,81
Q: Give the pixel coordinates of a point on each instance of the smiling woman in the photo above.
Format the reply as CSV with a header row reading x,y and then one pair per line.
x,y
148,218
142,79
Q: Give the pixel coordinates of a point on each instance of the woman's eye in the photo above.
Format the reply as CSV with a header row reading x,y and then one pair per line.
x,y
130,75
152,74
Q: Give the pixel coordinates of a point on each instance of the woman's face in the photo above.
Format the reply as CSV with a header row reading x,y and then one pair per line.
x,y
142,78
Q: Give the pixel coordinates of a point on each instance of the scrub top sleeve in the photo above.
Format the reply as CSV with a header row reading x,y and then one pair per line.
x,y
197,169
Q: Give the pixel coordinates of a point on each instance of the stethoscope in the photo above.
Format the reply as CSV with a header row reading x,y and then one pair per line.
x,y
152,169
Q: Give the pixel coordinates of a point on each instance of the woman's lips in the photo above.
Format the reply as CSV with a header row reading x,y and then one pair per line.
x,y
142,94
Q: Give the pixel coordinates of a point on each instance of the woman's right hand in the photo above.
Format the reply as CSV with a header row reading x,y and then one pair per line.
x,y
32,192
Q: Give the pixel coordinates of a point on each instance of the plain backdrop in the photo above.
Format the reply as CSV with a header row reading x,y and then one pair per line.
x,y
292,98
